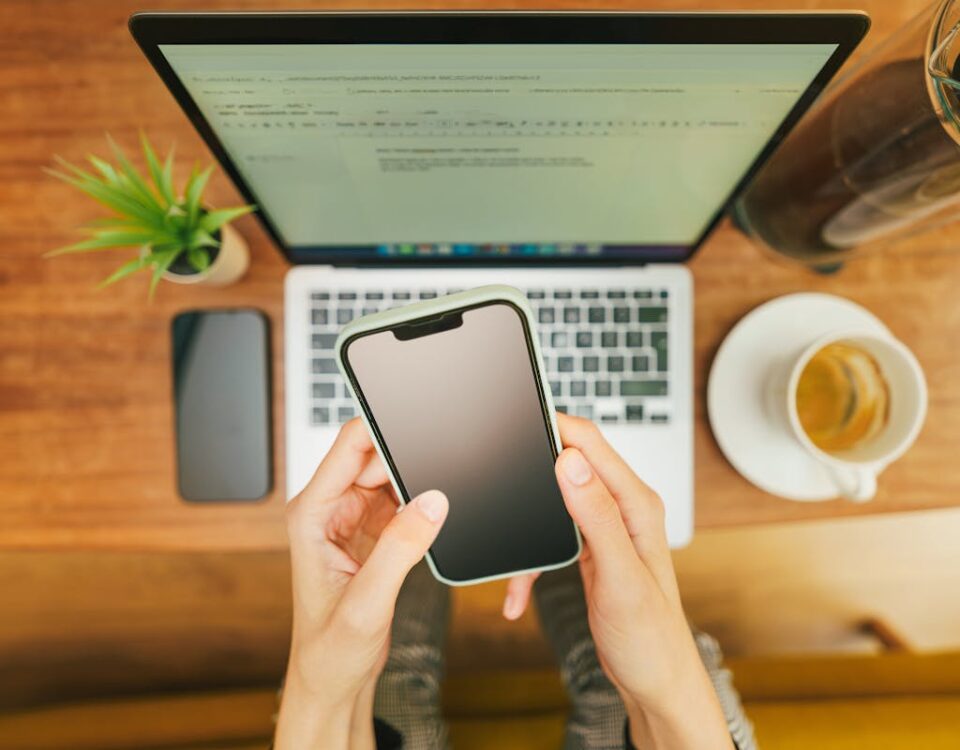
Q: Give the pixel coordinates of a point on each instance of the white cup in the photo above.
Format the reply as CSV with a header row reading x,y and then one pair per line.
x,y
855,471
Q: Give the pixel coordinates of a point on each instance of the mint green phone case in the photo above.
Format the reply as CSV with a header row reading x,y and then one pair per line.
x,y
469,298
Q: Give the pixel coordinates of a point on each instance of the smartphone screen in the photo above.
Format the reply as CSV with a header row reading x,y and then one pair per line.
x,y
459,408
221,391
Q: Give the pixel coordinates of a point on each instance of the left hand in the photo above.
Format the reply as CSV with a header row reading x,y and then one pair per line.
x,y
350,552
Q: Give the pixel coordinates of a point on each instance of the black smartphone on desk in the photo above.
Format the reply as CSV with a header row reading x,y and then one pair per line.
x,y
221,387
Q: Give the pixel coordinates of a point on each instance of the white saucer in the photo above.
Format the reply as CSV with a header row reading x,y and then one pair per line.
x,y
756,441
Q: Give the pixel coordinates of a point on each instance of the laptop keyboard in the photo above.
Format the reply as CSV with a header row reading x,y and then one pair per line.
x,y
606,351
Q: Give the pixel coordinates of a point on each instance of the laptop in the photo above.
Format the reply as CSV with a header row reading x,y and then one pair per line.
x,y
582,158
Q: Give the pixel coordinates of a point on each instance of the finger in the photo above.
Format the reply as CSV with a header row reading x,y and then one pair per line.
x,y
374,474
372,593
595,511
518,595
343,464
640,507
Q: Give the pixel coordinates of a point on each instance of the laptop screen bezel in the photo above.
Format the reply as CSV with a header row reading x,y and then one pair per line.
x,y
150,30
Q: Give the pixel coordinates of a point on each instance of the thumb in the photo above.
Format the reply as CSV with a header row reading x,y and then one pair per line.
x,y
372,593
595,511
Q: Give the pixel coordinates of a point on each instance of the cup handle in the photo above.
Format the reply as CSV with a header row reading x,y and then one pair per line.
x,y
857,484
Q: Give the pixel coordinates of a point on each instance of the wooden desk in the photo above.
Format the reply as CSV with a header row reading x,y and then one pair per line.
x,y
86,445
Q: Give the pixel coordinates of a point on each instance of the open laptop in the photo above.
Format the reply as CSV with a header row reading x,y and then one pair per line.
x,y
579,157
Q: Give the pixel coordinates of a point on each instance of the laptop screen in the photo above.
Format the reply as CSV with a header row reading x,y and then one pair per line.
x,y
453,150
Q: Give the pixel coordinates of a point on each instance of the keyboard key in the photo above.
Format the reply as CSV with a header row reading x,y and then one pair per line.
x,y
616,294
584,410
320,296
428,294
324,366
634,339
324,390
368,311
609,418
602,388
323,340
346,295
318,317
563,294
556,388
455,291
609,339
651,315
591,364
565,364
640,363
373,295
659,418
345,413
345,391
321,415
597,315
643,294
558,339
634,412
584,339
643,387
547,362
615,364
571,315
658,340
664,294
561,408
578,388
344,315
535,294
589,294
621,315
546,315
401,295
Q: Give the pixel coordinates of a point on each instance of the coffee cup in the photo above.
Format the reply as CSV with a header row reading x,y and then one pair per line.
x,y
886,403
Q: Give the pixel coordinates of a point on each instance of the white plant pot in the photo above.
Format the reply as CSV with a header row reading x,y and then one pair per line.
x,y
229,266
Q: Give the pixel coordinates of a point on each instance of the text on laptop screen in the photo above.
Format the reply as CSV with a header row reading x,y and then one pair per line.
x,y
499,149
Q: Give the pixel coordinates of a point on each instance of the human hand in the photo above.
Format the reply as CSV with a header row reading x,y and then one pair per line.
x,y
350,552
642,637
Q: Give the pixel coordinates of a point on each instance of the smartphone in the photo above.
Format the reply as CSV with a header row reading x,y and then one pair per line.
x,y
221,389
454,395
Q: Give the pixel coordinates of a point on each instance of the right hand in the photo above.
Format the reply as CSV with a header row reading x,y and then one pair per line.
x,y
643,640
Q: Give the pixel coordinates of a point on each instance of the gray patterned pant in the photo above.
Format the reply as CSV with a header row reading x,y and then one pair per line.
x,y
408,694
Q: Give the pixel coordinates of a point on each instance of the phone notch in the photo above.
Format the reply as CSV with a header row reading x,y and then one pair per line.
x,y
445,322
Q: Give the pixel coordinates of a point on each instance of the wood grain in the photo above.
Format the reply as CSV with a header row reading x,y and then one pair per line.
x,y
85,407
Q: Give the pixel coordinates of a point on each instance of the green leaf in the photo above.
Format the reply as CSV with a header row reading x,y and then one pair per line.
x,y
162,176
130,180
125,270
108,172
201,238
199,259
194,190
213,220
115,199
108,240
160,266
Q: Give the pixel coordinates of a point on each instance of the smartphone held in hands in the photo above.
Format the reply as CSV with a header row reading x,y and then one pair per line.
x,y
454,395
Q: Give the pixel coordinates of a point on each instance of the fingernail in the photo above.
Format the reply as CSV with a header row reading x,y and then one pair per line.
x,y
575,467
511,606
433,504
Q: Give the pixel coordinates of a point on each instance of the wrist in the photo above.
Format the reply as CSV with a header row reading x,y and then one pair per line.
x,y
311,718
686,717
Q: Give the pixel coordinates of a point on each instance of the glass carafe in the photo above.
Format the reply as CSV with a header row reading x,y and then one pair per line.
x,y
878,158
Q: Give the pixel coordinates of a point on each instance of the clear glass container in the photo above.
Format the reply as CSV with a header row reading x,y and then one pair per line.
x,y
877,160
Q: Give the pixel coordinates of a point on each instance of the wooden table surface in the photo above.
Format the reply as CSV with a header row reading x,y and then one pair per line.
x,y
86,443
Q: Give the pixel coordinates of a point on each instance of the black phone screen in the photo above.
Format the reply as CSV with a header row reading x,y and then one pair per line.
x,y
458,408
221,391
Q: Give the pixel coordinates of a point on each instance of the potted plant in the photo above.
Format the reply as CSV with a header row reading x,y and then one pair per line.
x,y
176,237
